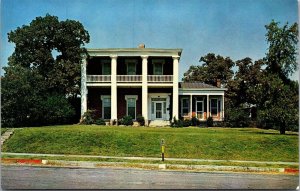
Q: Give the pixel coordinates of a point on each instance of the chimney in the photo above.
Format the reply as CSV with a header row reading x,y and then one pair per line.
x,y
218,83
142,45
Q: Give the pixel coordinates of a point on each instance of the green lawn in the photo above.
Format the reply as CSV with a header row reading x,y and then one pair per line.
x,y
3,130
204,143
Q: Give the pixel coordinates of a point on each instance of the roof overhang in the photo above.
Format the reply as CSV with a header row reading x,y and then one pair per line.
x,y
134,52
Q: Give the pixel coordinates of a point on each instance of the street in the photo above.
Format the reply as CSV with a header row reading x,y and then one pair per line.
x,y
21,177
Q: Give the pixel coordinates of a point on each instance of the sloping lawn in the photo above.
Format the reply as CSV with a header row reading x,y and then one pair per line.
x,y
3,130
204,143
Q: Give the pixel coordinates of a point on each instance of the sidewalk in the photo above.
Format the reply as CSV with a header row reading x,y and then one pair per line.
x,y
147,158
140,164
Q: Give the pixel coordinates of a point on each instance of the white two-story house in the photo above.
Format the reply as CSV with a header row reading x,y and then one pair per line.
x,y
144,81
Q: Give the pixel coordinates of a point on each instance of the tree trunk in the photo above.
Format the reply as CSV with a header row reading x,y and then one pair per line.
x,y
282,129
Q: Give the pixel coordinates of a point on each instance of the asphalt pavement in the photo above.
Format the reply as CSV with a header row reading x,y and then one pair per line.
x,y
26,177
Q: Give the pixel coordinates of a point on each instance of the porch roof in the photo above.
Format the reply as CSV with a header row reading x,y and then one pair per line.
x,y
199,88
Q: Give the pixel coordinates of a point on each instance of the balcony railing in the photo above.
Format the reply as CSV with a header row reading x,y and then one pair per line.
x,y
98,78
129,78
160,78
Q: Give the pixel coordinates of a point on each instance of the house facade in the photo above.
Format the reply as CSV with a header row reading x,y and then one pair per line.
x,y
144,81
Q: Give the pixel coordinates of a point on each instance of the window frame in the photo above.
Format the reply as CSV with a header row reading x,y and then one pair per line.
x,y
127,97
217,107
102,105
103,63
155,62
189,105
131,61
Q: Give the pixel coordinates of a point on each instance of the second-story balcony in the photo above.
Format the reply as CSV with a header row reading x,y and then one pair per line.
x,y
130,78
160,78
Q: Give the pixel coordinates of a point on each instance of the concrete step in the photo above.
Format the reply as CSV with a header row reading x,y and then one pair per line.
x,y
159,123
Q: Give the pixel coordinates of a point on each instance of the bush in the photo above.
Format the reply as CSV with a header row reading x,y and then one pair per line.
x,y
195,121
141,120
210,122
100,122
180,123
237,117
126,120
88,117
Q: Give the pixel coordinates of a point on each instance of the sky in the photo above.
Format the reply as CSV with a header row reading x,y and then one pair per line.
x,y
233,28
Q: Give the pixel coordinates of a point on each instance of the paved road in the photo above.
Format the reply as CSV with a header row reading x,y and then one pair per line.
x,y
16,177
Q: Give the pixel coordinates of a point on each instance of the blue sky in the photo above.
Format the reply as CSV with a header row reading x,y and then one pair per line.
x,y
233,28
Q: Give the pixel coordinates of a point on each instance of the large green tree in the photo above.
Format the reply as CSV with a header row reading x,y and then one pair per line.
x,y
212,69
53,48
43,73
282,52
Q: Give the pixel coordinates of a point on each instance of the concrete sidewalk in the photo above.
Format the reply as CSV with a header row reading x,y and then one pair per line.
x,y
148,158
176,167
243,167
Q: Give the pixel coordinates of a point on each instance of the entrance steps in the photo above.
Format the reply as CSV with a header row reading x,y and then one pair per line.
x,y
159,123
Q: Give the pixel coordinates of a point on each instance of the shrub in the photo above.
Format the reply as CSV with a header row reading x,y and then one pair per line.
x,y
100,122
195,121
126,120
180,123
237,117
210,122
88,117
141,120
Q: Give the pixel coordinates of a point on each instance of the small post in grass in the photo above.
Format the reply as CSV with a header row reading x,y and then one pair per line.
x,y
162,144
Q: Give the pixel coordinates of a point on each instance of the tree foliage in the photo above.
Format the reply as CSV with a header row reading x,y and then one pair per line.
x,y
213,68
36,45
282,51
42,78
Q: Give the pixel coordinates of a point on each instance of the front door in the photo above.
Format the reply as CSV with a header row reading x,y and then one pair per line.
x,y
199,109
158,108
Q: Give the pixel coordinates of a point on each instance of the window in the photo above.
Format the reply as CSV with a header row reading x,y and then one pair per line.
x,y
106,70
106,107
185,107
214,107
158,67
131,105
131,66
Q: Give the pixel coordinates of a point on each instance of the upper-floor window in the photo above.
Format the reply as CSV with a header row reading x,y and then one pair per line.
x,y
106,68
158,67
131,66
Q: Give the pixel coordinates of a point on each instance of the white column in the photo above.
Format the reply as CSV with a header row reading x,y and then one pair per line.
x,y
145,88
83,86
207,106
114,106
191,106
175,87
223,107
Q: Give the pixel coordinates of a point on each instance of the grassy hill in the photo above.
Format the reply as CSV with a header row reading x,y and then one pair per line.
x,y
204,143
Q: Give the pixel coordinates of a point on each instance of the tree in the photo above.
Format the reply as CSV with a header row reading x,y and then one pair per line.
x,y
38,44
278,107
214,68
282,51
43,73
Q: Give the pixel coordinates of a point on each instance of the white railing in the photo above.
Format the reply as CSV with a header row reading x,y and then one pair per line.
x,y
129,78
160,78
98,78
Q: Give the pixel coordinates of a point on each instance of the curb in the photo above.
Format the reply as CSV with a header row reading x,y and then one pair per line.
x,y
87,164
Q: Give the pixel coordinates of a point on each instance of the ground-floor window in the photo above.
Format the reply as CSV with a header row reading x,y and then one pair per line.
x,y
185,106
214,106
131,105
106,107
